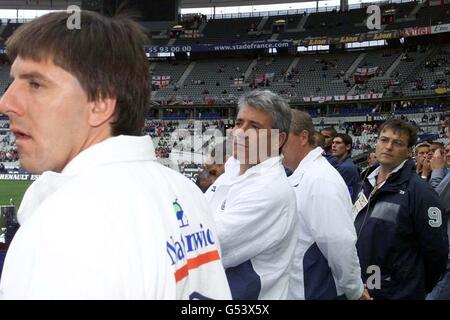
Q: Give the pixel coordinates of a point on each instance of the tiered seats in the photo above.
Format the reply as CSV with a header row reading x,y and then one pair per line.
x,y
215,76
226,31
4,77
291,21
335,23
430,77
8,31
173,68
311,77
276,65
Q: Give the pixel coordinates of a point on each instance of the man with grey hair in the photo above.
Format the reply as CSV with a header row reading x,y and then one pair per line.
x,y
253,203
326,263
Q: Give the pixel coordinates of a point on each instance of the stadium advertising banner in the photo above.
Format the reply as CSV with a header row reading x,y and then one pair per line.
x,y
382,35
347,39
317,41
367,96
440,28
219,47
321,41
19,176
407,32
415,31
376,118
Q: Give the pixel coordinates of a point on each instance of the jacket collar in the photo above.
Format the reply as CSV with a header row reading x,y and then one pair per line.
x,y
349,156
115,149
232,167
312,156
397,178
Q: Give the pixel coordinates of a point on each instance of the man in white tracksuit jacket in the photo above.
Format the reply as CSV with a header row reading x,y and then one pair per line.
x,y
104,220
326,263
253,204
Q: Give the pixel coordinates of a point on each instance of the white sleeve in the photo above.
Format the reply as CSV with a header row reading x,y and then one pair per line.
x,y
254,219
327,213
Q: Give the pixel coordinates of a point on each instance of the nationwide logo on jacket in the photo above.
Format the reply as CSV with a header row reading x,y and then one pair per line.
x,y
189,247
180,214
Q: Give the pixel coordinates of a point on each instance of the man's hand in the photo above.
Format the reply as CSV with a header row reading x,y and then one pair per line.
x,y
437,161
366,295
426,168
418,167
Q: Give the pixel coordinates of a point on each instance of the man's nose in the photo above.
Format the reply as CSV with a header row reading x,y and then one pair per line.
x,y
390,144
239,132
8,102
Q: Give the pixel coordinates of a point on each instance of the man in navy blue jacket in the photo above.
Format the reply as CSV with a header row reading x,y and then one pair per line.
x,y
341,149
328,134
401,225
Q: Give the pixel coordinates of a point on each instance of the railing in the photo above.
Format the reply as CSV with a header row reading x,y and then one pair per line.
x,y
298,11
261,13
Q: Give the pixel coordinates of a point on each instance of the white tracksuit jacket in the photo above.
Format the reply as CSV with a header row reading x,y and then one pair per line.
x,y
256,223
326,262
114,224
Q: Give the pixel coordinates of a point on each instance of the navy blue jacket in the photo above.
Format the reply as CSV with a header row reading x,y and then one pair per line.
x,y
403,231
350,174
331,159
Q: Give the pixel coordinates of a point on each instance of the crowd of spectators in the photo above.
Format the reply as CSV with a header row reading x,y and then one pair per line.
x,y
9,155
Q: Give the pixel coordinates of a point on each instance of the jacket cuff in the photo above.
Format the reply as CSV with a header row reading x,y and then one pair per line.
x,y
356,293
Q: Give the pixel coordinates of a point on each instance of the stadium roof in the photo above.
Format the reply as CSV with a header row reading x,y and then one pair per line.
x,y
231,3
61,4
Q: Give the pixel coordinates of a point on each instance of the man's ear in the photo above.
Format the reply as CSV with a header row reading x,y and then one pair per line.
x,y
410,152
101,111
348,147
282,138
305,137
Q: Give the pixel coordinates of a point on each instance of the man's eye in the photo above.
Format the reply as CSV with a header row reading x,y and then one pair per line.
x,y
35,85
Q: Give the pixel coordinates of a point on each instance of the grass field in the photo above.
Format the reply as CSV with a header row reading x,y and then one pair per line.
x,y
12,190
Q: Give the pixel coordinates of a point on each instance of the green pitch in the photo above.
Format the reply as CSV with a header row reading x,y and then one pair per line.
x,y
12,190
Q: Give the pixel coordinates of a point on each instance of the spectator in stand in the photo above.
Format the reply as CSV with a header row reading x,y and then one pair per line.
x,y
440,165
371,161
421,154
426,167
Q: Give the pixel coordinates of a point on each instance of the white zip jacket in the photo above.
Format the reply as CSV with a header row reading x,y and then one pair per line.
x,y
326,262
115,224
256,222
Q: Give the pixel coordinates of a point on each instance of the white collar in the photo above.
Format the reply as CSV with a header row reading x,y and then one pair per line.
x,y
232,168
373,176
115,149
306,161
